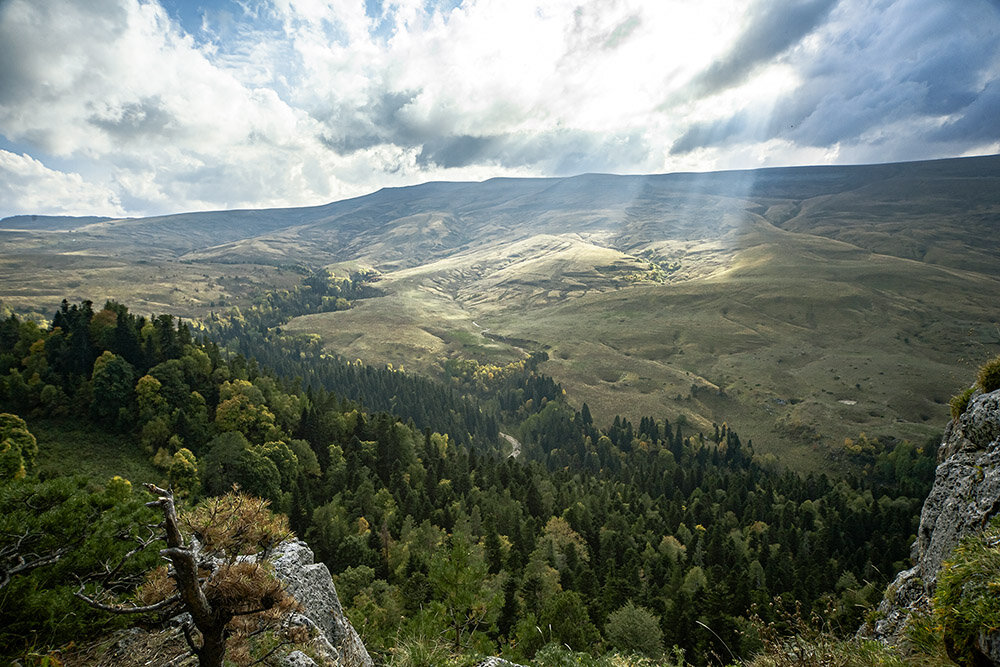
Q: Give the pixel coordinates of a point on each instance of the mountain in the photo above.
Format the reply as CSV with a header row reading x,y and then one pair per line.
x,y
806,305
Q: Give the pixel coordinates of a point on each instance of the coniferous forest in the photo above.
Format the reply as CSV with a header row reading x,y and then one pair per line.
x,y
646,538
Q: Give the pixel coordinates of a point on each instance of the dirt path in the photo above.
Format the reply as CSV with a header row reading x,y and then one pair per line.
x,y
515,445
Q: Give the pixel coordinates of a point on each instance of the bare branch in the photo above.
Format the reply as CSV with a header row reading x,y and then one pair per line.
x,y
113,572
24,565
126,609
271,652
186,628
251,611
157,491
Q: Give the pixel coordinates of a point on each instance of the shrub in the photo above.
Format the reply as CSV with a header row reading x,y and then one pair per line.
x,y
813,642
557,655
989,375
419,652
959,402
635,630
966,601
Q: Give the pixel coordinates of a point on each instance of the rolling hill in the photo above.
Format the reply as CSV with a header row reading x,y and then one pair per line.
x,y
803,305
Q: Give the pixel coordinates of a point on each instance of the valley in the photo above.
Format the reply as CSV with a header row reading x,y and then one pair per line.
x,y
802,305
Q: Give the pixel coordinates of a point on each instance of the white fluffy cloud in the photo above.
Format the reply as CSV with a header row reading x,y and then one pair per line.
x,y
37,188
294,102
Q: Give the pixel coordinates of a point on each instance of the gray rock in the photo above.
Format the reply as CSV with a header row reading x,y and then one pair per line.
x,y
311,584
965,496
497,662
980,423
297,659
321,644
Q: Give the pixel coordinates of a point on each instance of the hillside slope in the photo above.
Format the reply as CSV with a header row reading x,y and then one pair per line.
x,y
809,303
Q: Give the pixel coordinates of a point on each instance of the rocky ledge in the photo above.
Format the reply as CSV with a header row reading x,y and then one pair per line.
x,y
311,584
965,496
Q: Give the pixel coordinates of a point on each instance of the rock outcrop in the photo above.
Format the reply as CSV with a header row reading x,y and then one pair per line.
x,y
332,640
965,496
311,584
497,662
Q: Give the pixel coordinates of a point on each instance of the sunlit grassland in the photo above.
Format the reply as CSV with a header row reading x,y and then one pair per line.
x,y
801,306
797,341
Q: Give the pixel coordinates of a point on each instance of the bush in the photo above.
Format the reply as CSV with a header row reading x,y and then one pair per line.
x,y
419,652
966,602
797,639
557,655
989,375
959,402
635,629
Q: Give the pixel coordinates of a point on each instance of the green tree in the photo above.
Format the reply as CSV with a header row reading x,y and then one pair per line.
x,y
564,618
183,472
114,388
241,408
18,447
52,533
231,459
460,578
634,629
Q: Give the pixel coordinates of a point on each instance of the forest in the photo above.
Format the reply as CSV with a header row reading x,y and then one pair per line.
x,y
646,539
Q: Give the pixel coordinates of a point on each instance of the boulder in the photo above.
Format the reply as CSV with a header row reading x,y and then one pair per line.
x,y
497,662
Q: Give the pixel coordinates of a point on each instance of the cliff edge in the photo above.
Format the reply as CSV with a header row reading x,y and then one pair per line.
x,y
965,496
312,586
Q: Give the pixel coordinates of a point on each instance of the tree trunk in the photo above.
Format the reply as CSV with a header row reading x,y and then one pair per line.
x,y
213,646
213,629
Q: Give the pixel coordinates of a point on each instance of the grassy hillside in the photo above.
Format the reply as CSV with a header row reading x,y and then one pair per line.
x,y
804,304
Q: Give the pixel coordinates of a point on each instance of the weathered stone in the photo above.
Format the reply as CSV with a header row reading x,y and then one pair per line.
x,y
497,662
297,659
311,584
965,496
980,423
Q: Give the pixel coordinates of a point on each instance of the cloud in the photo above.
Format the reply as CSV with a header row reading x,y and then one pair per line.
x,y
926,73
558,152
27,186
774,27
129,121
294,102
979,120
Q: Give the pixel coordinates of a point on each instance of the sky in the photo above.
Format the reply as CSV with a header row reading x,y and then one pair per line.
x,y
145,107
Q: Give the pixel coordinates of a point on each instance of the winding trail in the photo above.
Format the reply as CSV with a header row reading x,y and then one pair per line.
x,y
515,445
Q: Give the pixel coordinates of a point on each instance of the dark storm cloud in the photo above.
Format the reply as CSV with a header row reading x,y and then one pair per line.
x,y
925,60
706,134
780,25
979,121
378,123
460,151
558,152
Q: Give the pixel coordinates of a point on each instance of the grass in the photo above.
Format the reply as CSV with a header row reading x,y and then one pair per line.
x,y
69,448
799,342
865,295
889,335
37,281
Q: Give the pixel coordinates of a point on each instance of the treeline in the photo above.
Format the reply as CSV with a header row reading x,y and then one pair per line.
x,y
439,546
255,332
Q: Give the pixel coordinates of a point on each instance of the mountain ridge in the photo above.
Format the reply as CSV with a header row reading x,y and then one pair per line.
x,y
789,289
